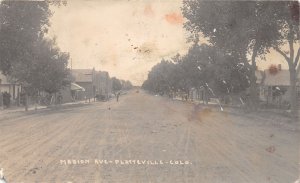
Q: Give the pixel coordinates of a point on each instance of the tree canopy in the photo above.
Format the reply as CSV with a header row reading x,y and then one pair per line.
x,y
202,66
243,28
27,57
116,84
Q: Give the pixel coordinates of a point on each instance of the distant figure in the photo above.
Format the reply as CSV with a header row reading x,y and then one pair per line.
x,y
118,95
59,98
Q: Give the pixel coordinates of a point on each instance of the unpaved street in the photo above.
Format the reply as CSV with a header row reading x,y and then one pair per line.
x,y
212,147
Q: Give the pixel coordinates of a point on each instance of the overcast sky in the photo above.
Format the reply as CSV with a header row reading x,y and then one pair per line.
x,y
124,37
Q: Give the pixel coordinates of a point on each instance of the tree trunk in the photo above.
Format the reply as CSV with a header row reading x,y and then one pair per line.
x,y
26,102
19,98
206,96
1,100
35,102
253,85
293,78
293,90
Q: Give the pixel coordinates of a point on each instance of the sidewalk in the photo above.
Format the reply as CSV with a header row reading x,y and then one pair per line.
x,y
37,108
240,109
20,109
274,117
212,103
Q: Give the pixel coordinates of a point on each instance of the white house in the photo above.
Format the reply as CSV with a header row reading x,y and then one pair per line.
x,y
10,87
275,87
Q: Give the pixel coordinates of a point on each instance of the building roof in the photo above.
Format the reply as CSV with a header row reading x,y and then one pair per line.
x,y
82,75
281,78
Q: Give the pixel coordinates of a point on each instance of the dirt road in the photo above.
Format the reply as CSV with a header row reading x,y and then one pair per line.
x,y
143,139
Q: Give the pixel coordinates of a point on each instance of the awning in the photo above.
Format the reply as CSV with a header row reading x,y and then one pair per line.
x,y
76,87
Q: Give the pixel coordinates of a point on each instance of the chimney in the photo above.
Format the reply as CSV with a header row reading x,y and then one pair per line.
x,y
279,67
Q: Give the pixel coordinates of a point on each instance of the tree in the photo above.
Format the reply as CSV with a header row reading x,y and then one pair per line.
x,y
287,16
204,66
238,28
116,84
21,24
161,78
231,78
46,71
253,28
26,56
126,85
213,70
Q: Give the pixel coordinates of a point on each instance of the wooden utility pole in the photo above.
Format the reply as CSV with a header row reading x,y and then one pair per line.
x,y
1,96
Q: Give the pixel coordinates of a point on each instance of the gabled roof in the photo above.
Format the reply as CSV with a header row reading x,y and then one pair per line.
x,y
82,75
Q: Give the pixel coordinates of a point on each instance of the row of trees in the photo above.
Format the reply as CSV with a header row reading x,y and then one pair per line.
x,y
202,67
118,85
242,32
27,56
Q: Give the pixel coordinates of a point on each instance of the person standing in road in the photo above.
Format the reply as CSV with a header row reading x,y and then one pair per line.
x,y
59,98
118,95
